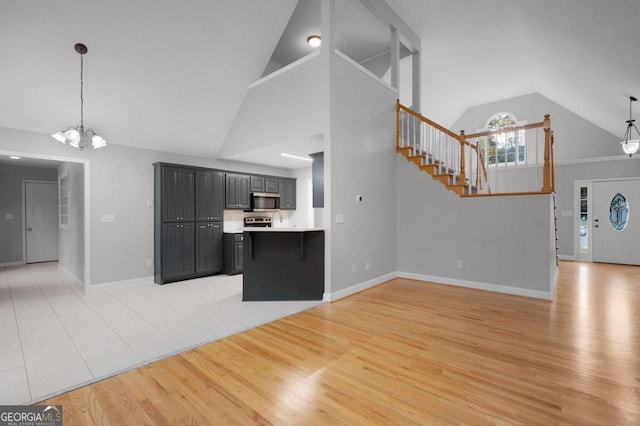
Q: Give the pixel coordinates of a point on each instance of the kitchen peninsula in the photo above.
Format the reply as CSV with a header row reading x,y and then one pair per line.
x,y
283,264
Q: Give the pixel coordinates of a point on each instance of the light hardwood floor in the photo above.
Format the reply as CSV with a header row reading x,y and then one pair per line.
x,y
404,352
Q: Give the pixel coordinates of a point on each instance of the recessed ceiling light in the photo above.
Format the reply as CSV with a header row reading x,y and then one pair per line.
x,y
13,157
314,41
297,157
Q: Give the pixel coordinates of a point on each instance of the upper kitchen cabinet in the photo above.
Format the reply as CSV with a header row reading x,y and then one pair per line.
x,y
209,195
177,194
264,184
237,191
317,170
287,189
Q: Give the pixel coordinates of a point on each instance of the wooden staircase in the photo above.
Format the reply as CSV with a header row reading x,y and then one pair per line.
x,y
439,171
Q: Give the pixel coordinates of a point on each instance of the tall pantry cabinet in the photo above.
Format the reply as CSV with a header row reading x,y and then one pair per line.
x,y
188,214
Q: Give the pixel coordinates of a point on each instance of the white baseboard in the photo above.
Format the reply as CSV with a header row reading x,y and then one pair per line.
x,y
566,257
333,296
77,281
136,282
538,294
11,264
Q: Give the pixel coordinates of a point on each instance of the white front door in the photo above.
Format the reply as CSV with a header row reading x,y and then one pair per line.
x,y
41,221
616,221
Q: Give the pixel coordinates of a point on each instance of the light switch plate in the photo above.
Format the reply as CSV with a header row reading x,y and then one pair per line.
x,y
8,216
108,217
339,218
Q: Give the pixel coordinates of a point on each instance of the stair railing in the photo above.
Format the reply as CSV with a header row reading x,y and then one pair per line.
x,y
444,154
509,160
518,159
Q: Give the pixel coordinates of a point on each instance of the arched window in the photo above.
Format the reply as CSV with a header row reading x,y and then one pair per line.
x,y
503,148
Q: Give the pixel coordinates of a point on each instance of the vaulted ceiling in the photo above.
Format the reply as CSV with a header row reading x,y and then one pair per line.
x,y
172,75
581,54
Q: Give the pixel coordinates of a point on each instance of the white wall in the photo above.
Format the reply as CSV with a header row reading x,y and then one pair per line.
x,y
566,174
405,77
575,137
71,240
582,151
11,226
361,162
121,183
283,109
504,243
300,216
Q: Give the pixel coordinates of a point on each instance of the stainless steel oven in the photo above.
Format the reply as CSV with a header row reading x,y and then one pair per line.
x,y
255,222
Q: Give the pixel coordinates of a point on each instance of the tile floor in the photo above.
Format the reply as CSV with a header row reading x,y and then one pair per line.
x,y
54,338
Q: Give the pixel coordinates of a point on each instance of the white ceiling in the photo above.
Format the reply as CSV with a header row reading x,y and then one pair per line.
x,y
581,54
167,75
172,76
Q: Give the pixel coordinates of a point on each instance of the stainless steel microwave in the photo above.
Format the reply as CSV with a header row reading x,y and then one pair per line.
x,y
264,201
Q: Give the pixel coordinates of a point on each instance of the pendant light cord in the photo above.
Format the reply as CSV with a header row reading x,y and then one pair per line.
x,y
81,90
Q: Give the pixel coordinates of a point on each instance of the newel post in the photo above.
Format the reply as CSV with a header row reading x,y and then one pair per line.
x,y
546,175
463,177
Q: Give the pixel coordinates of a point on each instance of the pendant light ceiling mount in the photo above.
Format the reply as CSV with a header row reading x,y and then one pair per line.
x,y
629,145
79,137
81,48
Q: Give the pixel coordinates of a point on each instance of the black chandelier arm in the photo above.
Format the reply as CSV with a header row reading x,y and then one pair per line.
x,y
634,126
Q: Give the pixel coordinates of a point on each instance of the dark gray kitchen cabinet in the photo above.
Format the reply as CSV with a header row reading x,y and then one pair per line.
x,y
209,195
177,194
177,251
237,191
208,248
287,189
233,253
264,184
188,214
317,177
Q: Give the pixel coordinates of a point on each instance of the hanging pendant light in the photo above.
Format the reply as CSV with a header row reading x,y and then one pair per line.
x,y
79,137
629,145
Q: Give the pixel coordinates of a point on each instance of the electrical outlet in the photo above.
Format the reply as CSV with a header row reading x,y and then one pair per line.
x,y
459,264
149,263
366,265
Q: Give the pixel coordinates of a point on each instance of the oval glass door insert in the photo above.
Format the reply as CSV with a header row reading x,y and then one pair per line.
x,y
619,212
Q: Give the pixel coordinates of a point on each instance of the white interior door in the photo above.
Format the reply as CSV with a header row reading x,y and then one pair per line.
x,y
616,222
41,221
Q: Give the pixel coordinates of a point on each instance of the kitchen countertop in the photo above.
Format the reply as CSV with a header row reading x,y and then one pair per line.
x,y
280,229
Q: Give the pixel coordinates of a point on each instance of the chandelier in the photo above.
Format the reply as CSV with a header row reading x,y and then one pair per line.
x,y
630,146
79,137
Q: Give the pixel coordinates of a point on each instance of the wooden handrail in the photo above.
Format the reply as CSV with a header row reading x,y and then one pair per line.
x,y
426,120
484,171
548,185
505,130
